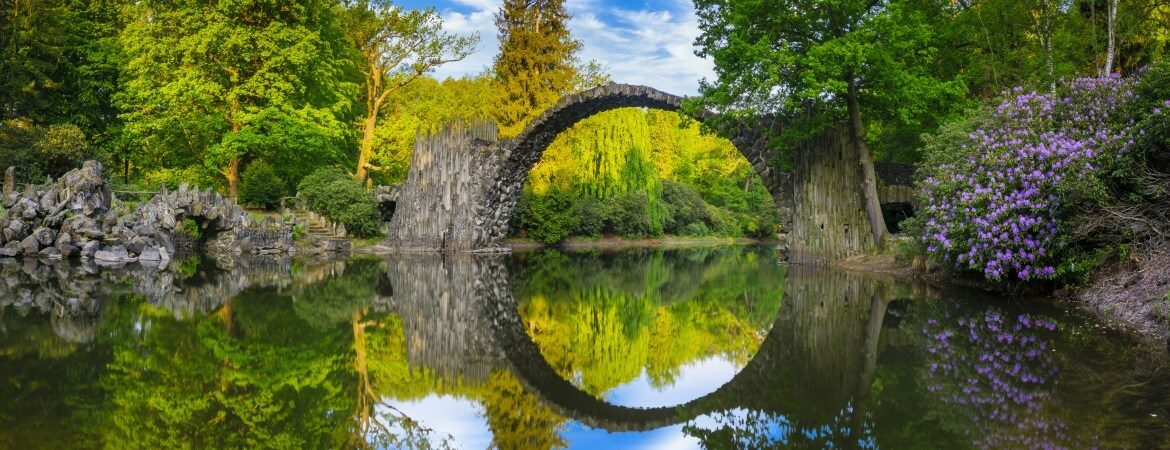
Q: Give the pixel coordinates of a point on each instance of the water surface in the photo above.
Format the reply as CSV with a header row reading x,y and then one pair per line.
x,y
696,348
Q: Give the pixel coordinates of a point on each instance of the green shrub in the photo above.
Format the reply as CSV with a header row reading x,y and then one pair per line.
x,y
38,151
591,215
633,215
549,218
260,185
723,222
330,192
312,186
190,228
684,206
193,176
695,229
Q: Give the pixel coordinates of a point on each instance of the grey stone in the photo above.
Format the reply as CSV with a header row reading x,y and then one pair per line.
x,y
150,254
69,251
30,245
63,239
45,237
113,254
136,245
165,241
49,253
89,249
10,249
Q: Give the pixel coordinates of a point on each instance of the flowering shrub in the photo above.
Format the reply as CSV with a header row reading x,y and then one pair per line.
x,y
996,188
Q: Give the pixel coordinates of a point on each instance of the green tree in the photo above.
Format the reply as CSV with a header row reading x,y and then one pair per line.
x,y
535,66
219,83
396,47
421,108
854,61
261,185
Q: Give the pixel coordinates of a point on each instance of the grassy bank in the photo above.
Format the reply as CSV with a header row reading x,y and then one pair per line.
x,y
617,242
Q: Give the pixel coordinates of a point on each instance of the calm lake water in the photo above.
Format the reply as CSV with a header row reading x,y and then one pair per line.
x,y
697,348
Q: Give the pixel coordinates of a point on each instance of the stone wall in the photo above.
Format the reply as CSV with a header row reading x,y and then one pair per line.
x,y
439,206
75,217
828,214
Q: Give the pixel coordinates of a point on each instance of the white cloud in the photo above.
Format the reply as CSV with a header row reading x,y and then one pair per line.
x,y
653,47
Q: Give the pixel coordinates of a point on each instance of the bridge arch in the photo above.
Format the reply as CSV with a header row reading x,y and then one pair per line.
x,y
521,153
767,382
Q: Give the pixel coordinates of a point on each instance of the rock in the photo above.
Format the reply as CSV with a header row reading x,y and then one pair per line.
x,y
163,254
165,241
15,230
69,251
89,249
10,250
30,245
245,245
136,245
115,254
63,239
49,253
150,254
45,237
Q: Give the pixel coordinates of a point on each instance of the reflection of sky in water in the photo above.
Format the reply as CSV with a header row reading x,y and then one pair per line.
x,y
464,419
694,380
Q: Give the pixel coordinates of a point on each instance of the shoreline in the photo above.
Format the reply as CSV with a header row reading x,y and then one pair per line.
x,y
620,243
1143,329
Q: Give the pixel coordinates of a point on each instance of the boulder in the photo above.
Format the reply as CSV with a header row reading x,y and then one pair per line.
x,y
136,245
69,251
114,254
150,254
10,249
49,253
89,249
30,245
15,230
45,236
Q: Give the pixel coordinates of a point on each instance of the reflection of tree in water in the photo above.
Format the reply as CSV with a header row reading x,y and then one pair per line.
x,y
817,368
274,366
604,319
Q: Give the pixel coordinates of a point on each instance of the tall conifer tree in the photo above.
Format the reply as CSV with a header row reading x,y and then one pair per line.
x,y
535,66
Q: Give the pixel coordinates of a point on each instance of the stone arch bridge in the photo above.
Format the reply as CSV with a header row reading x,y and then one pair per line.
x,y
464,183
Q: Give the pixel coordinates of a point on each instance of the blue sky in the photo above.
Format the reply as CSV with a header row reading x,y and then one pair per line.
x,y
646,42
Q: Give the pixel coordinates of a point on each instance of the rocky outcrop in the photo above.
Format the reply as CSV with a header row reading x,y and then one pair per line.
x,y
75,218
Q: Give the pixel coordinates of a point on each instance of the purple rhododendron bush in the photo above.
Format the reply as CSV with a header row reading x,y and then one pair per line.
x,y
1050,185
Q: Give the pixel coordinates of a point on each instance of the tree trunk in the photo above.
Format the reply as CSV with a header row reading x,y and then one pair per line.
x,y
872,204
1111,52
233,178
367,148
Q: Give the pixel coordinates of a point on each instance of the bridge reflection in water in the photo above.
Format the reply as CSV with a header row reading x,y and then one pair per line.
x,y
537,345
461,321
814,367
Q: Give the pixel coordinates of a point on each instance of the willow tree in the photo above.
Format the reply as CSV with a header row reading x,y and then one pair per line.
x,y
854,62
397,46
536,64
219,83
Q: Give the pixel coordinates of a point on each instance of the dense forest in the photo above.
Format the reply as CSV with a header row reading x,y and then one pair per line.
x,y
253,96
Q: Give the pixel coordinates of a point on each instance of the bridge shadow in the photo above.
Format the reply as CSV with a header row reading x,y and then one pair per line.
x,y
815,366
